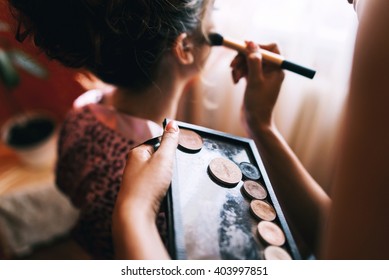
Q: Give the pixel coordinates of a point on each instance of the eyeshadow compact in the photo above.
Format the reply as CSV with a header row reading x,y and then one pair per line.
x,y
221,204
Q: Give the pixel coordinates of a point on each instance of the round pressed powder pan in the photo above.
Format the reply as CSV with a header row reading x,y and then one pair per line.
x,y
189,141
254,190
263,210
271,233
276,253
249,171
225,171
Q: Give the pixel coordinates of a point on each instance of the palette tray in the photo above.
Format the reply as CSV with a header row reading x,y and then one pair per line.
x,y
208,219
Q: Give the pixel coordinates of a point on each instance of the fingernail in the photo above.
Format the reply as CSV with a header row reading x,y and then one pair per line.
x,y
252,46
172,126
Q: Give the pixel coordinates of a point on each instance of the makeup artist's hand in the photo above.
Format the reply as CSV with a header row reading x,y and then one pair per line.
x,y
264,81
146,179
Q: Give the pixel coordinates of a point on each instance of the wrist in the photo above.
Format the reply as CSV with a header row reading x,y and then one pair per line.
x,y
259,127
135,234
134,210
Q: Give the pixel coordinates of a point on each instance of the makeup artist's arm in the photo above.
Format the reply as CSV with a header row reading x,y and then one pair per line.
x,y
359,223
303,200
147,176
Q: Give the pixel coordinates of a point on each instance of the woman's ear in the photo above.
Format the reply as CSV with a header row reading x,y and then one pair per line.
x,y
183,49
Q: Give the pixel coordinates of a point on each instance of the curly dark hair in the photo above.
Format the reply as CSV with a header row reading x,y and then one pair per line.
x,y
120,41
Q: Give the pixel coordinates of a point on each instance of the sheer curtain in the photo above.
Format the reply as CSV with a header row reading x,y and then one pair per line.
x,y
316,34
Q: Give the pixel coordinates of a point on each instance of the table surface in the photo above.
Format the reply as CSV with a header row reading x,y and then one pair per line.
x,y
33,211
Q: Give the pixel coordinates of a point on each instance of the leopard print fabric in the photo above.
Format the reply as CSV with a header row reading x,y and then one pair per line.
x,y
91,160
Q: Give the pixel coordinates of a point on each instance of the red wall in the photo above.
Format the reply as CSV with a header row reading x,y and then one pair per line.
x,y
54,94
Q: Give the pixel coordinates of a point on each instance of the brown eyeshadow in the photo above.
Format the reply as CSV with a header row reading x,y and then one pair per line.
x,y
263,210
254,190
271,233
225,171
276,253
190,141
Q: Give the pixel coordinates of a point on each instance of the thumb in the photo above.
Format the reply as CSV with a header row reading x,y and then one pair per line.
x,y
169,142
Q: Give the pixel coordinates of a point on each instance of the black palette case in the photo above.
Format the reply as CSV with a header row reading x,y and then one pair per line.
x,y
209,220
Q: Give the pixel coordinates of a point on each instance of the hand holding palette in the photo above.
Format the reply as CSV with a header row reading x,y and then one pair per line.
x,y
221,204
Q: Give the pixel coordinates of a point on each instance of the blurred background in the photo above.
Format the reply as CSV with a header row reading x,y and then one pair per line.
x,y
316,34
35,218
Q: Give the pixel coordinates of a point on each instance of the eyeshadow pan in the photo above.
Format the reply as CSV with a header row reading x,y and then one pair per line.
x,y
190,141
225,171
249,171
276,253
254,190
271,233
263,210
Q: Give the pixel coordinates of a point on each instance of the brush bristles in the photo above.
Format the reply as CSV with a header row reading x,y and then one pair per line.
x,y
215,39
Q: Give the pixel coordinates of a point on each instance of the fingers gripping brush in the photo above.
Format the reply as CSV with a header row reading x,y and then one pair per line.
x,y
215,39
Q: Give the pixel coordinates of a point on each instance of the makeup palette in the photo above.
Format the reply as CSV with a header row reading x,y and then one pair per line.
x,y
221,204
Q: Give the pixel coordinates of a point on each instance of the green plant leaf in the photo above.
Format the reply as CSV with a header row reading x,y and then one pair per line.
x,y
8,74
28,64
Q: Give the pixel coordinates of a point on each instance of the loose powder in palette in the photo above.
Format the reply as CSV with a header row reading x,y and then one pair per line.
x,y
225,171
263,210
190,141
249,171
254,190
276,253
271,233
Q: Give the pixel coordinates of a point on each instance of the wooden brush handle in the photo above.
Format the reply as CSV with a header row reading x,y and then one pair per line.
x,y
272,57
241,47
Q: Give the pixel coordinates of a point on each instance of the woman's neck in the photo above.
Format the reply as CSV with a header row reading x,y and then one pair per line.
x,y
160,100
155,103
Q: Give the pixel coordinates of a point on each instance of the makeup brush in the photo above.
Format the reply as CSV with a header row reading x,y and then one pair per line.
x,y
215,39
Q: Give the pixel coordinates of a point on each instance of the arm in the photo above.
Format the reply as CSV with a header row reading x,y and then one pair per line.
x,y
134,230
359,223
304,201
